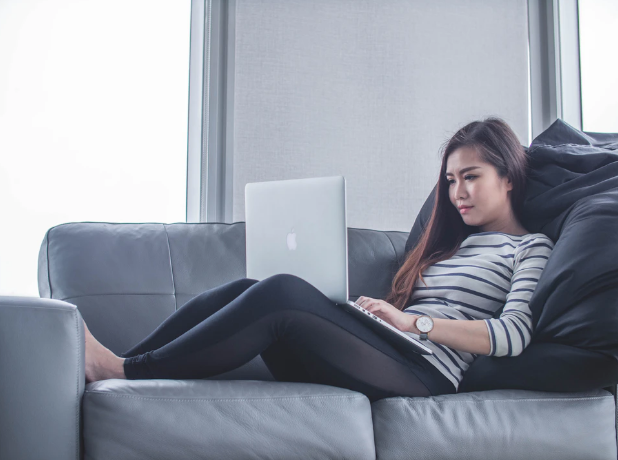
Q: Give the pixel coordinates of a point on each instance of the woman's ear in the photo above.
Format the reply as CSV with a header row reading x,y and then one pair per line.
x,y
509,183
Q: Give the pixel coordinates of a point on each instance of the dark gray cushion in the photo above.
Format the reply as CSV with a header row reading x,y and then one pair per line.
x,y
497,424
162,419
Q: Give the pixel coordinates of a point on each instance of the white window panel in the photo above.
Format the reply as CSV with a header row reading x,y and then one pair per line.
x,y
93,120
598,42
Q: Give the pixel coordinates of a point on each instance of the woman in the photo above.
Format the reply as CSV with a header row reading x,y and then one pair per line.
x,y
475,258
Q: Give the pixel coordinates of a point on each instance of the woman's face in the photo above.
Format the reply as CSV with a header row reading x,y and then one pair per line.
x,y
475,183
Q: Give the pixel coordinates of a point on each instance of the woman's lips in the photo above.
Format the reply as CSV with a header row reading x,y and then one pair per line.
x,y
465,210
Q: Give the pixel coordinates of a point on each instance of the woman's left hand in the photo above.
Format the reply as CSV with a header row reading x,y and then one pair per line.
x,y
385,311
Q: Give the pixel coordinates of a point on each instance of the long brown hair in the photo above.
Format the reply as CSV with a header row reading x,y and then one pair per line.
x,y
497,145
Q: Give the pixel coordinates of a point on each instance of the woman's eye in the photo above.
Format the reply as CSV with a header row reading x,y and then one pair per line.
x,y
465,177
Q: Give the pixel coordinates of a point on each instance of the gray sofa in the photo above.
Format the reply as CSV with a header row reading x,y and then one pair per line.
x,y
124,279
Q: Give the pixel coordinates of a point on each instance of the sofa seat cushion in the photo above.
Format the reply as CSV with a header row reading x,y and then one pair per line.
x,y
231,419
504,424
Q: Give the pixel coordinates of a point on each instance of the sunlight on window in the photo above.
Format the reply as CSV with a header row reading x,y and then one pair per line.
x,y
598,41
93,120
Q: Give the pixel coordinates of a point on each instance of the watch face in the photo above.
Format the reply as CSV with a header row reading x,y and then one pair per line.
x,y
424,324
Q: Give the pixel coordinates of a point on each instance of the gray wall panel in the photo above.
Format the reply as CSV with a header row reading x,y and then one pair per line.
x,y
370,89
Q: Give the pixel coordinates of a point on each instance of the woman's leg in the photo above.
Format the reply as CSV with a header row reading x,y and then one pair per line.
x,y
302,336
190,314
334,356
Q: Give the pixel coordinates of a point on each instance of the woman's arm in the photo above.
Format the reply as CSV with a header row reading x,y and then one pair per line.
x,y
465,335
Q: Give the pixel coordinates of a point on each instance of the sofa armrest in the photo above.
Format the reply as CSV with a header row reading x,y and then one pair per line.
x,y
41,378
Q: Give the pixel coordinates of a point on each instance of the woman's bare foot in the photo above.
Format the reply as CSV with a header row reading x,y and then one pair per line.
x,y
101,363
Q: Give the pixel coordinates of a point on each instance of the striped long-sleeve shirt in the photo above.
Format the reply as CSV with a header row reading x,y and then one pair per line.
x,y
490,270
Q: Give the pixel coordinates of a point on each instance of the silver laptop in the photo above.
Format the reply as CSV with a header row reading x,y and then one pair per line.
x,y
299,227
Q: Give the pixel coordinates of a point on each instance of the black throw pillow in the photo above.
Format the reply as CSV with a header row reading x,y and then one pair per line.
x,y
421,221
542,367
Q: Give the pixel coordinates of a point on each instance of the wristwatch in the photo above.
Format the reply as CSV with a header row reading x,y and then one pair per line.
x,y
424,324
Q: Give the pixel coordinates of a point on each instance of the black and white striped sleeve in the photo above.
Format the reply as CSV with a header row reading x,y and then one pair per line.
x,y
512,331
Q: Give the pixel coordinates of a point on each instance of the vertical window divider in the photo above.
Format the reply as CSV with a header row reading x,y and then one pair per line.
x,y
211,101
555,84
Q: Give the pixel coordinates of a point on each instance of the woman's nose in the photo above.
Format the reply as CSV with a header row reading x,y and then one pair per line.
x,y
460,190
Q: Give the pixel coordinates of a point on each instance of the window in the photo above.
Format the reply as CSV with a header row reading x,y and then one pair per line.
x,y
598,22
93,120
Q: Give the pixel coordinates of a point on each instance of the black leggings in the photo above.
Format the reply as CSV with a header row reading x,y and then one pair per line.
x,y
300,333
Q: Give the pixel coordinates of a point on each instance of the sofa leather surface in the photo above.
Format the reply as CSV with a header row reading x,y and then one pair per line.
x,y
205,419
118,275
41,379
497,424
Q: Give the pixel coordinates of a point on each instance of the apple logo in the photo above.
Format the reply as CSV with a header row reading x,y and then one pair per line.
x,y
291,240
